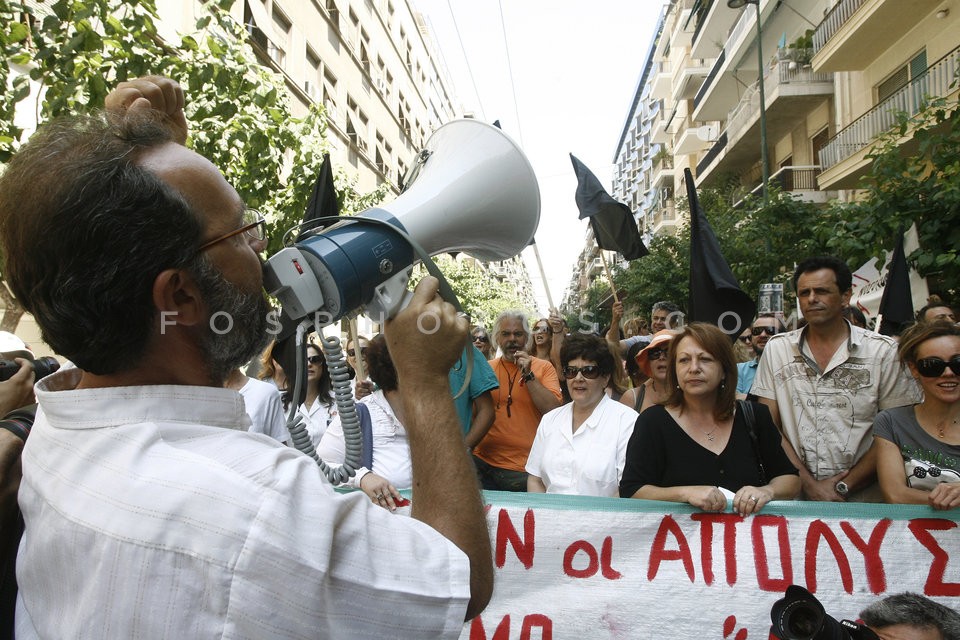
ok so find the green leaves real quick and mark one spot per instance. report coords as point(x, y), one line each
point(239, 110)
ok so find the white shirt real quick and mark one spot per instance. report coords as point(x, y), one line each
point(391, 449)
point(588, 462)
point(827, 416)
point(150, 514)
point(265, 408)
point(317, 418)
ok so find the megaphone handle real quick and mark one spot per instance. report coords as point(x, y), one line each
point(391, 296)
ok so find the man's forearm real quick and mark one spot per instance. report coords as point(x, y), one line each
point(446, 495)
point(543, 398)
point(482, 421)
point(864, 472)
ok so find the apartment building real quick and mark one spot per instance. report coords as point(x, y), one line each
point(887, 56)
point(371, 63)
point(833, 74)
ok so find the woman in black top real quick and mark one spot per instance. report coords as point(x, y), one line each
point(698, 442)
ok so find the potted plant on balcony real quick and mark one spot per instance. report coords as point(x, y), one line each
point(664, 156)
point(800, 51)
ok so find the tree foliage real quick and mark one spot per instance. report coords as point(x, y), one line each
point(481, 295)
point(913, 182)
point(760, 243)
point(238, 109)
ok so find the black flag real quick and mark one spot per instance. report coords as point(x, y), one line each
point(323, 201)
point(896, 305)
point(322, 204)
point(715, 294)
point(612, 222)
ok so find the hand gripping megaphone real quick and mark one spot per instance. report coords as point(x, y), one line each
point(473, 190)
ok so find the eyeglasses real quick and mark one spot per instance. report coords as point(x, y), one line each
point(589, 372)
point(541, 329)
point(934, 367)
point(483, 339)
point(770, 331)
point(314, 359)
point(656, 354)
point(353, 352)
point(252, 227)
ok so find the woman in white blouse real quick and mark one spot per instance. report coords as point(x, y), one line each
point(580, 447)
point(319, 408)
point(391, 469)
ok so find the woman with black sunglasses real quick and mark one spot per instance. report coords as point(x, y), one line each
point(580, 446)
point(481, 340)
point(319, 408)
point(918, 446)
point(652, 362)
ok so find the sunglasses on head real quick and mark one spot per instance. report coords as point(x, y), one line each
point(314, 359)
point(770, 331)
point(934, 367)
point(353, 352)
point(589, 372)
point(481, 339)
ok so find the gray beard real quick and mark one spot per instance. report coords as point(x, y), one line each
point(236, 331)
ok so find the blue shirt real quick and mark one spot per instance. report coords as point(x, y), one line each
point(482, 379)
point(746, 371)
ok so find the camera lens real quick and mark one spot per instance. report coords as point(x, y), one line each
point(803, 621)
point(42, 367)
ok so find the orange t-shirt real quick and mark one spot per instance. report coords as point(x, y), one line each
point(508, 442)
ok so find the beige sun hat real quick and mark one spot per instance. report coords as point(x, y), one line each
point(661, 339)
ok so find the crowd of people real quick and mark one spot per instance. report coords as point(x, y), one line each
point(150, 422)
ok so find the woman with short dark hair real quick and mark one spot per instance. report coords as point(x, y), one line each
point(697, 447)
point(579, 447)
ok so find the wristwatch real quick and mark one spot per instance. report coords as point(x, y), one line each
point(528, 376)
point(842, 488)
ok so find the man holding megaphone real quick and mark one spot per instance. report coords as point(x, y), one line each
point(149, 512)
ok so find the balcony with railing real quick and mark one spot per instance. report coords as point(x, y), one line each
point(799, 181)
point(664, 218)
point(662, 81)
point(849, 145)
point(848, 38)
point(792, 90)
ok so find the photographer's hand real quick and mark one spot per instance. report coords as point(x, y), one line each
point(17, 391)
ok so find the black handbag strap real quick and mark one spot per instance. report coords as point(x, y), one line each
point(746, 408)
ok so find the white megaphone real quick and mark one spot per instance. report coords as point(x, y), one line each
point(473, 190)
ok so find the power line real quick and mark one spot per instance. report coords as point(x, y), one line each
point(466, 60)
point(513, 86)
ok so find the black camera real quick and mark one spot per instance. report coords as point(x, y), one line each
point(42, 367)
point(800, 616)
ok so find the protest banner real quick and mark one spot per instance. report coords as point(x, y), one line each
point(870, 280)
point(570, 567)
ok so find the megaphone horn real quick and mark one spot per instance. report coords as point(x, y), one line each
point(474, 192)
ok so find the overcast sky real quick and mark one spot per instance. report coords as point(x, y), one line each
point(560, 76)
